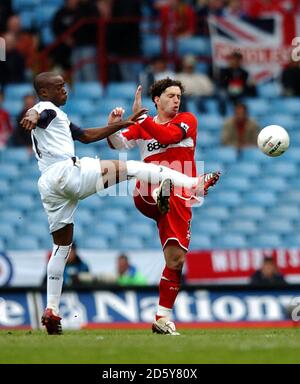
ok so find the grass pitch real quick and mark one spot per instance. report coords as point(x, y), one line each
point(141, 346)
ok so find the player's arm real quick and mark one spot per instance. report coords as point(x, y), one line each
point(122, 140)
point(91, 135)
point(172, 133)
point(30, 120)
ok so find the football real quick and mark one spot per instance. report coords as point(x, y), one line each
point(273, 140)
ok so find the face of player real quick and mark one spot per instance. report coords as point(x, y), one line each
point(168, 102)
point(55, 92)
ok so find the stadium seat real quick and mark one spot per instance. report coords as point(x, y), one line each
point(293, 154)
point(206, 227)
point(230, 241)
point(282, 226)
point(41, 231)
point(151, 45)
point(13, 107)
point(4, 188)
point(212, 212)
point(88, 90)
point(27, 19)
point(284, 211)
point(281, 168)
point(263, 199)
point(223, 154)
point(225, 198)
point(16, 92)
point(249, 212)
point(19, 5)
point(245, 169)
point(93, 242)
point(200, 241)
point(84, 216)
point(243, 227)
point(7, 231)
point(121, 90)
point(274, 184)
point(93, 203)
point(2, 245)
point(289, 105)
point(291, 241)
point(20, 201)
point(269, 90)
point(106, 105)
point(105, 229)
point(258, 107)
point(255, 155)
point(232, 183)
point(45, 14)
point(265, 241)
point(128, 243)
point(292, 197)
point(23, 243)
point(143, 230)
point(211, 123)
point(114, 215)
point(82, 107)
point(18, 156)
point(153, 243)
point(199, 46)
point(148, 103)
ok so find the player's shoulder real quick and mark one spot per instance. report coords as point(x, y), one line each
point(186, 117)
point(42, 105)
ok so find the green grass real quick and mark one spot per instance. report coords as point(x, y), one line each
point(136, 346)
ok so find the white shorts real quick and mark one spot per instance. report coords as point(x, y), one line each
point(63, 184)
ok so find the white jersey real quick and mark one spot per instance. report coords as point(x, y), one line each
point(53, 138)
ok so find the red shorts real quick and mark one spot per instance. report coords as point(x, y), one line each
point(175, 225)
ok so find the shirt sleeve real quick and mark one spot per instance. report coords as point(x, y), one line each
point(76, 132)
point(125, 139)
point(46, 117)
point(171, 133)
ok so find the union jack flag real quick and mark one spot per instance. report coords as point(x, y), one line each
point(264, 43)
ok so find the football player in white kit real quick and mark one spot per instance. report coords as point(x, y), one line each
point(65, 179)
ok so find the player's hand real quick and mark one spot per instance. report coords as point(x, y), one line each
point(137, 104)
point(135, 117)
point(116, 115)
point(30, 120)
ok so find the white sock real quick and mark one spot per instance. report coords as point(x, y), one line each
point(164, 312)
point(55, 273)
point(154, 174)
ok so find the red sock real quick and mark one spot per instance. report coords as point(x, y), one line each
point(168, 288)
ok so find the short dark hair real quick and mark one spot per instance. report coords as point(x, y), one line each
point(43, 80)
point(160, 86)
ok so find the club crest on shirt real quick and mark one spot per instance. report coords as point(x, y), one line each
point(184, 126)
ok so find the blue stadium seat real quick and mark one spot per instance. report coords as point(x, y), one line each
point(83, 107)
point(212, 106)
point(37, 216)
point(45, 14)
point(19, 5)
point(282, 226)
point(105, 229)
point(232, 183)
point(93, 242)
point(9, 172)
point(200, 241)
point(212, 212)
point(245, 169)
point(284, 211)
point(263, 199)
point(230, 241)
point(153, 243)
point(114, 215)
point(258, 107)
point(128, 243)
point(88, 90)
point(211, 122)
point(290, 123)
point(93, 203)
point(151, 45)
point(274, 184)
point(243, 227)
point(84, 216)
point(26, 242)
point(7, 231)
point(255, 155)
point(206, 227)
point(18, 156)
point(212, 166)
point(121, 90)
point(2, 245)
point(17, 91)
point(199, 46)
point(287, 105)
point(293, 154)
point(291, 241)
point(265, 241)
point(292, 197)
point(20, 201)
point(223, 154)
point(27, 19)
point(281, 168)
point(106, 105)
point(225, 198)
point(143, 230)
point(148, 103)
point(13, 107)
point(251, 211)
point(4, 188)
point(207, 139)
point(269, 90)
point(32, 172)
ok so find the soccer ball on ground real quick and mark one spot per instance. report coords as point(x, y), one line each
point(273, 140)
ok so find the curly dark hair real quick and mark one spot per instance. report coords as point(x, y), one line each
point(160, 86)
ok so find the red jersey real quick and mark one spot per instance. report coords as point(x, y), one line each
point(171, 144)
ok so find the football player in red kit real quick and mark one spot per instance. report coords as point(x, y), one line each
point(167, 139)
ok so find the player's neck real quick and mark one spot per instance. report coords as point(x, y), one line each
point(162, 119)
